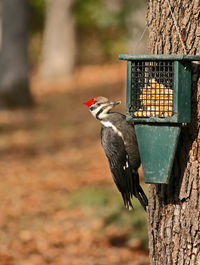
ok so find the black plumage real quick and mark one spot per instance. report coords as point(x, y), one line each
point(122, 152)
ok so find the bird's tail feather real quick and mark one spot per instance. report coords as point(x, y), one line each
point(138, 192)
point(141, 197)
point(127, 201)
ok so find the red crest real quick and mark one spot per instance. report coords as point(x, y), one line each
point(90, 102)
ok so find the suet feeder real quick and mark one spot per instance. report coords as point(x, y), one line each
point(158, 101)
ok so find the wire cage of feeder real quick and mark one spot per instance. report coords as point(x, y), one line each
point(152, 89)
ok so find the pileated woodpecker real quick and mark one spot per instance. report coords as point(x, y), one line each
point(120, 145)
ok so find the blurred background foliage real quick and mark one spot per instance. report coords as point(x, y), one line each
point(62, 206)
point(37, 22)
point(37, 15)
point(107, 23)
point(105, 203)
point(102, 28)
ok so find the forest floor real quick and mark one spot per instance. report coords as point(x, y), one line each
point(59, 205)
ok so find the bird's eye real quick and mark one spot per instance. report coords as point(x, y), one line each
point(98, 104)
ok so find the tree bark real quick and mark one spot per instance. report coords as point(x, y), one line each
point(59, 46)
point(174, 209)
point(14, 86)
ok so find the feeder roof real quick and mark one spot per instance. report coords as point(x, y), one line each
point(159, 57)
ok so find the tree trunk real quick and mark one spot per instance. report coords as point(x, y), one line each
point(174, 209)
point(14, 87)
point(59, 49)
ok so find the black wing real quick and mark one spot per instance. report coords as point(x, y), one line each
point(126, 180)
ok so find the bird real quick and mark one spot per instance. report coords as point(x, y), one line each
point(119, 142)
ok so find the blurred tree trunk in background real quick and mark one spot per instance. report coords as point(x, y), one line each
point(174, 209)
point(59, 46)
point(14, 86)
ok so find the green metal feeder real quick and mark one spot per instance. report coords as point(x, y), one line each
point(158, 101)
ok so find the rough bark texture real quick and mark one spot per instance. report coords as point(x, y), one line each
point(14, 86)
point(174, 209)
point(59, 47)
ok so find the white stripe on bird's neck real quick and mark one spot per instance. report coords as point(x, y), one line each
point(109, 124)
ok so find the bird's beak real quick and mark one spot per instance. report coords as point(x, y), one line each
point(114, 103)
